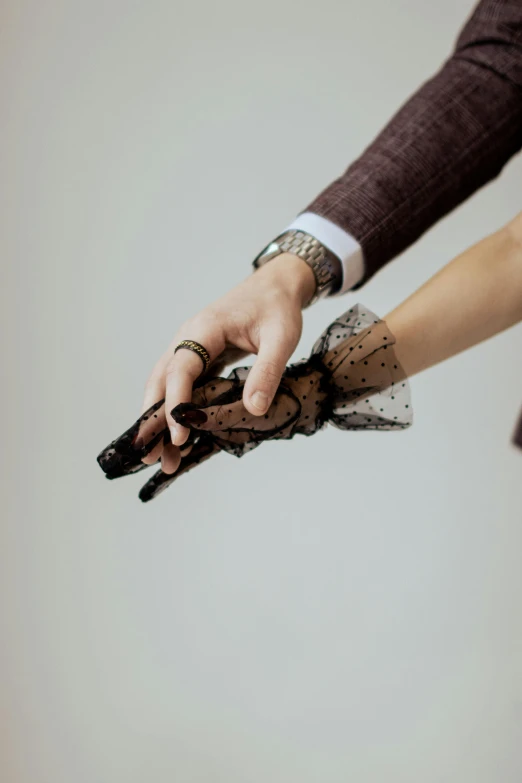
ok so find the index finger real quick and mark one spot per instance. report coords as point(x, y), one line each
point(183, 369)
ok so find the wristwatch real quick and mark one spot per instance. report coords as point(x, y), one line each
point(324, 264)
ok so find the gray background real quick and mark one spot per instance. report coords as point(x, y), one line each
point(339, 608)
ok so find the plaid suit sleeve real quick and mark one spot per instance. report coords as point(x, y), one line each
point(452, 136)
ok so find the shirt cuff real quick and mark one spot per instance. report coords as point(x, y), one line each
point(339, 242)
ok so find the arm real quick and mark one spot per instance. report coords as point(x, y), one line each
point(393, 193)
point(474, 297)
point(452, 137)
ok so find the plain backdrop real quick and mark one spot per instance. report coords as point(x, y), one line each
point(339, 608)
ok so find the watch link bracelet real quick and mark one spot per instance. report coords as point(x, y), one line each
point(324, 264)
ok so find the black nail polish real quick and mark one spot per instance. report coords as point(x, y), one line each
point(194, 417)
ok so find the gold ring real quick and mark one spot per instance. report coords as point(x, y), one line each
point(192, 345)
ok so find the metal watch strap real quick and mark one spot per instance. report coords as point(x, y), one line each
point(324, 264)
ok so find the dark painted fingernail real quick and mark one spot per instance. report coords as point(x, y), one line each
point(194, 417)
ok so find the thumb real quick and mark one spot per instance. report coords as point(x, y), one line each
point(265, 376)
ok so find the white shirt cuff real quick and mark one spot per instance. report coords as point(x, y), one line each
point(342, 244)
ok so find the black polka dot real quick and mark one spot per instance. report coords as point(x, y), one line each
point(363, 380)
point(366, 362)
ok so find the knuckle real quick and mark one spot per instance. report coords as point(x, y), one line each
point(208, 319)
point(189, 326)
point(243, 320)
point(198, 325)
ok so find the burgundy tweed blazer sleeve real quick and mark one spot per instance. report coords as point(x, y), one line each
point(452, 137)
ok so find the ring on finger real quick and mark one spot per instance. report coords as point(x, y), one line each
point(200, 350)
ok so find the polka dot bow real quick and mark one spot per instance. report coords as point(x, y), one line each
point(352, 380)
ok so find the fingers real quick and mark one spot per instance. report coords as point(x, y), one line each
point(214, 418)
point(216, 406)
point(183, 369)
point(155, 391)
point(203, 450)
point(265, 376)
point(172, 455)
point(155, 386)
point(170, 459)
point(124, 454)
point(154, 455)
point(235, 429)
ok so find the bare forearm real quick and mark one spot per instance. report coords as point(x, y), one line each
point(476, 296)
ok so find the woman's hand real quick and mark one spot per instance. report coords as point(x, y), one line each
point(261, 315)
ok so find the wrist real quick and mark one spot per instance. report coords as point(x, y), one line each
point(291, 275)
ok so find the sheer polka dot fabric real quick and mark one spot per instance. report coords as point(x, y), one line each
point(352, 380)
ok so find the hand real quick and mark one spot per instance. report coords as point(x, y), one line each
point(261, 315)
point(368, 391)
